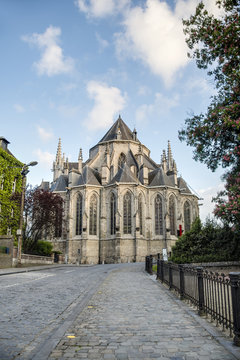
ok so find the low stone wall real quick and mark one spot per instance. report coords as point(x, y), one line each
point(36, 259)
point(222, 266)
point(6, 251)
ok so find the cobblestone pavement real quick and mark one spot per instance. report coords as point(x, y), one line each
point(36, 304)
point(132, 317)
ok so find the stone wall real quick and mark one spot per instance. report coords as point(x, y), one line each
point(36, 259)
point(6, 251)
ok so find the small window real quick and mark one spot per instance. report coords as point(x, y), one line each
point(121, 161)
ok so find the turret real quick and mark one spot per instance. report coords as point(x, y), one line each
point(58, 163)
point(80, 159)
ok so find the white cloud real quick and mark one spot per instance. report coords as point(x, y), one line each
point(153, 34)
point(44, 158)
point(53, 61)
point(101, 8)
point(107, 102)
point(206, 210)
point(103, 44)
point(162, 104)
point(19, 108)
point(44, 134)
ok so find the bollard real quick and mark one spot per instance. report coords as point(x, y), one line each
point(235, 290)
point(200, 290)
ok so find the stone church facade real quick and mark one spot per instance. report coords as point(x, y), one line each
point(119, 204)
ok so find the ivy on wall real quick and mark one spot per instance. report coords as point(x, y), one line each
point(10, 193)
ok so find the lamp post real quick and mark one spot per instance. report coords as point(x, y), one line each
point(24, 173)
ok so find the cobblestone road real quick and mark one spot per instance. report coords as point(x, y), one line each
point(34, 305)
point(132, 317)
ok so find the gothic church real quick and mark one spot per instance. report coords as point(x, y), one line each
point(119, 204)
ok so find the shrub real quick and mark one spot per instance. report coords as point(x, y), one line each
point(210, 242)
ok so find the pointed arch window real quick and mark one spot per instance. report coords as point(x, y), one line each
point(158, 215)
point(121, 161)
point(172, 215)
point(187, 216)
point(93, 216)
point(127, 214)
point(140, 212)
point(113, 214)
point(79, 215)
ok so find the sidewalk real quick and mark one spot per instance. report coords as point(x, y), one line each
point(132, 317)
point(17, 270)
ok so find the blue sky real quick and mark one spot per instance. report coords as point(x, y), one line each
point(68, 68)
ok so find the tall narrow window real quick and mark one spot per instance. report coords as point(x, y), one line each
point(79, 215)
point(127, 214)
point(172, 215)
point(158, 216)
point(113, 215)
point(187, 217)
point(93, 216)
point(121, 161)
point(140, 213)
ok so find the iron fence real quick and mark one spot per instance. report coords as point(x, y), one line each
point(214, 294)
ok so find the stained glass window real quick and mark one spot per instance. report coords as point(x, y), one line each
point(172, 215)
point(93, 216)
point(79, 215)
point(127, 214)
point(187, 216)
point(158, 216)
point(140, 212)
point(113, 215)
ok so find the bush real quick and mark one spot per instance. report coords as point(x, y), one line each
point(43, 248)
point(210, 242)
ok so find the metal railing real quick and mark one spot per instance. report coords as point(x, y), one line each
point(214, 294)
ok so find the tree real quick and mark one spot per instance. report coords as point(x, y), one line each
point(43, 217)
point(215, 45)
point(10, 192)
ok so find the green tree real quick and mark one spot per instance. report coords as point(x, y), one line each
point(215, 135)
point(10, 192)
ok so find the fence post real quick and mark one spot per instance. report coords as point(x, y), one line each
point(150, 264)
point(161, 270)
point(235, 289)
point(170, 275)
point(200, 290)
point(158, 268)
point(181, 278)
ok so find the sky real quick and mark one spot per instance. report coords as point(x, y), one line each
point(68, 68)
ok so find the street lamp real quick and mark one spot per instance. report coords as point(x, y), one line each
point(24, 173)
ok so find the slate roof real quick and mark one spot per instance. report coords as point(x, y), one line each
point(183, 185)
point(89, 176)
point(112, 132)
point(61, 183)
point(158, 178)
point(124, 175)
